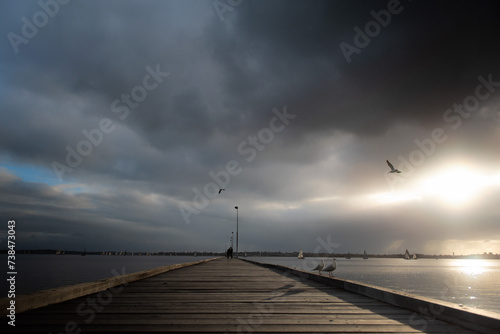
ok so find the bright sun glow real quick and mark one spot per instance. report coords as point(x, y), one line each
point(455, 186)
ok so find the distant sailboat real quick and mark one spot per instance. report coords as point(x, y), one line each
point(410, 257)
point(365, 255)
point(407, 255)
point(245, 254)
point(301, 255)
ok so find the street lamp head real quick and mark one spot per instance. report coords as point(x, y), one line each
point(236, 207)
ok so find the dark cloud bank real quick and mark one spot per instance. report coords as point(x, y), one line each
point(305, 178)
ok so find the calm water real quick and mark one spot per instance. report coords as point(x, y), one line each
point(473, 283)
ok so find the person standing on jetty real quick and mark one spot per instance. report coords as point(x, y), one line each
point(229, 252)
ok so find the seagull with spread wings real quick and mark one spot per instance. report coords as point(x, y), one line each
point(393, 170)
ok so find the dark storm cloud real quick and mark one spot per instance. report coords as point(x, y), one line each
point(271, 54)
point(429, 55)
point(75, 217)
point(225, 78)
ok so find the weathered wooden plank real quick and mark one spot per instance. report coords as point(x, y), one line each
point(295, 320)
point(214, 308)
point(254, 327)
point(403, 318)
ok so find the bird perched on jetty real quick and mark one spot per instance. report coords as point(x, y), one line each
point(331, 267)
point(393, 170)
point(221, 190)
point(319, 267)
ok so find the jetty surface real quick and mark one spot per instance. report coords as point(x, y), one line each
point(236, 296)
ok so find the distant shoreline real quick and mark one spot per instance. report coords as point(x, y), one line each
point(488, 256)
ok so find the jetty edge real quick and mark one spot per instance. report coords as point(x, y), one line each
point(47, 297)
point(481, 321)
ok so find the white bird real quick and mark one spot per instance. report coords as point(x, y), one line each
point(319, 266)
point(393, 170)
point(331, 267)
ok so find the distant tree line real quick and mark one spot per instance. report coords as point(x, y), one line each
point(485, 255)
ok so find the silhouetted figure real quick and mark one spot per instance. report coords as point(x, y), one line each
point(229, 253)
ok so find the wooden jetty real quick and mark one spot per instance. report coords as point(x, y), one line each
point(235, 296)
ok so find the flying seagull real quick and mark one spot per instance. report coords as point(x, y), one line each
point(320, 266)
point(221, 190)
point(393, 170)
point(331, 267)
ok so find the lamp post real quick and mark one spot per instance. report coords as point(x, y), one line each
point(236, 230)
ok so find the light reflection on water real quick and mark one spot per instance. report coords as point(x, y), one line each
point(473, 267)
point(472, 283)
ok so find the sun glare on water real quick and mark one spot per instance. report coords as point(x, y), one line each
point(472, 267)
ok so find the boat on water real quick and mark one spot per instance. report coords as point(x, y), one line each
point(365, 255)
point(407, 255)
point(410, 257)
point(301, 255)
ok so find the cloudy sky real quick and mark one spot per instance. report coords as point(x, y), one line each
point(120, 121)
